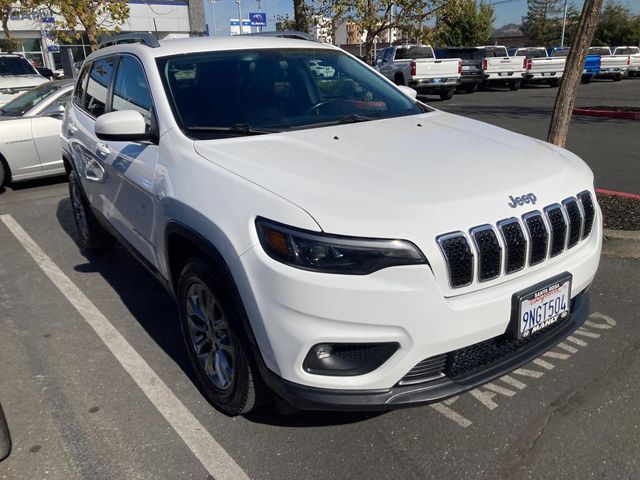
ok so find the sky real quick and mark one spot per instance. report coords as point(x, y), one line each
point(509, 12)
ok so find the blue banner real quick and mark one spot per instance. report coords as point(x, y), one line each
point(258, 19)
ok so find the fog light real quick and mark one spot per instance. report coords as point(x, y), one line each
point(347, 359)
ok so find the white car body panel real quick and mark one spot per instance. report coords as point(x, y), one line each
point(634, 57)
point(348, 180)
point(13, 85)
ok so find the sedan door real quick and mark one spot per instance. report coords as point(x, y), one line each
point(46, 133)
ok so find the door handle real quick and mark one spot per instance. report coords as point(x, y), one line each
point(94, 172)
point(71, 128)
point(102, 149)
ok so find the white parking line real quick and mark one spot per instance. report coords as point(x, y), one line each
point(210, 453)
point(451, 415)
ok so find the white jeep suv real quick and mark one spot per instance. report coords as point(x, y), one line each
point(327, 237)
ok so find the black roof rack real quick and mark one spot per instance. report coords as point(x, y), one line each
point(285, 34)
point(148, 39)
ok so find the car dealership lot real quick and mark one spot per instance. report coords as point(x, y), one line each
point(611, 147)
point(75, 412)
point(95, 382)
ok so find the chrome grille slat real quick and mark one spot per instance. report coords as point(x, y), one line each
point(538, 237)
point(517, 243)
point(558, 226)
point(574, 215)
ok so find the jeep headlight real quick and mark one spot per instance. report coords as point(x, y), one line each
point(326, 253)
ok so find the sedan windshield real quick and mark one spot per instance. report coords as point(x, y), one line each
point(25, 102)
point(15, 66)
point(249, 92)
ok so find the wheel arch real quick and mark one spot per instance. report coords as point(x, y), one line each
point(181, 242)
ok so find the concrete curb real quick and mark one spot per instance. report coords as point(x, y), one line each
point(621, 244)
point(606, 113)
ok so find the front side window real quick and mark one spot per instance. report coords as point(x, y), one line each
point(98, 86)
point(130, 89)
point(218, 93)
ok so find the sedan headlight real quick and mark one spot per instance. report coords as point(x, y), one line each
point(334, 253)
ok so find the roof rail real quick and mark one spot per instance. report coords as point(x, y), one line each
point(148, 39)
point(285, 34)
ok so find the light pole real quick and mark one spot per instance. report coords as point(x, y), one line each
point(564, 22)
point(239, 17)
point(213, 15)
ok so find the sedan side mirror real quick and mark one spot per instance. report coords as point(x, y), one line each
point(54, 111)
point(122, 126)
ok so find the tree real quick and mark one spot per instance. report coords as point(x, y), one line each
point(566, 99)
point(617, 26)
point(96, 17)
point(300, 14)
point(373, 17)
point(463, 22)
point(542, 23)
point(8, 43)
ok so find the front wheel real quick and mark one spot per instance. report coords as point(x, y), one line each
point(617, 78)
point(91, 236)
point(216, 344)
point(514, 86)
point(3, 173)
point(447, 94)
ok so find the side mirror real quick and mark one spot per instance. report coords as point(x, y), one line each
point(122, 126)
point(54, 111)
point(408, 91)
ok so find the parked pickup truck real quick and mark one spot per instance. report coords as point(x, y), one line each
point(472, 75)
point(591, 63)
point(611, 66)
point(417, 67)
point(499, 68)
point(539, 66)
point(634, 59)
point(17, 75)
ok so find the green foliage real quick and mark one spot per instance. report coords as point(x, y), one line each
point(465, 23)
point(543, 22)
point(617, 26)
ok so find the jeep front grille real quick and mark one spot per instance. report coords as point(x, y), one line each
point(518, 242)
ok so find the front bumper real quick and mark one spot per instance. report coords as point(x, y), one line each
point(308, 398)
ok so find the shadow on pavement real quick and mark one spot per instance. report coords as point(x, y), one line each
point(157, 313)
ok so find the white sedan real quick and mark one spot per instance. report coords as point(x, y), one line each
point(30, 133)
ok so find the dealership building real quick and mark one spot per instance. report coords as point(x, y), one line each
point(35, 30)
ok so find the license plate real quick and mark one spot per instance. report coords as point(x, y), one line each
point(437, 80)
point(543, 307)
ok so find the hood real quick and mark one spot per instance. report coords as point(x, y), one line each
point(20, 81)
point(407, 177)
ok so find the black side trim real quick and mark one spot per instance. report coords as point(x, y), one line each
point(311, 398)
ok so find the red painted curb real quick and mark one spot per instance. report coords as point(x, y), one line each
point(618, 194)
point(607, 113)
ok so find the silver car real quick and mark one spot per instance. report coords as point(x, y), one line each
point(30, 133)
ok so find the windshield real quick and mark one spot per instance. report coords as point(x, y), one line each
point(413, 52)
point(627, 51)
point(599, 51)
point(15, 66)
point(537, 53)
point(238, 92)
point(25, 102)
point(561, 52)
point(463, 53)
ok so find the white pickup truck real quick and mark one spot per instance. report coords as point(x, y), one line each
point(17, 75)
point(417, 67)
point(611, 66)
point(634, 59)
point(500, 68)
point(539, 66)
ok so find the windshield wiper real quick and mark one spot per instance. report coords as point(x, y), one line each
point(240, 128)
point(354, 118)
point(351, 118)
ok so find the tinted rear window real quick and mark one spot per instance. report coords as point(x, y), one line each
point(413, 52)
point(463, 53)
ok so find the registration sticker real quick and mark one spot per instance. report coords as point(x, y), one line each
point(544, 307)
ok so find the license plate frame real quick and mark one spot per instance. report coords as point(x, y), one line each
point(529, 318)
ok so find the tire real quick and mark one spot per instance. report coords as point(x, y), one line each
point(91, 236)
point(554, 83)
point(470, 88)
point(447, 94)
point(215, 342)
point(617, 78)
point(514, 86)
point(399, 79)
point(3, 173)
point(586, 79)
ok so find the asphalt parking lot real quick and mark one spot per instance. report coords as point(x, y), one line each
point(87, 401)
point(611, 147)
